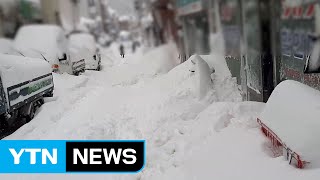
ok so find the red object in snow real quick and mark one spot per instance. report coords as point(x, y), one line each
point(276, 142)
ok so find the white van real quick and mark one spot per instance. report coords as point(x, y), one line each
point(83, 46)
point(49, 43)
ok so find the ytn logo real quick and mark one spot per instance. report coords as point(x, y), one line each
point(32, 152)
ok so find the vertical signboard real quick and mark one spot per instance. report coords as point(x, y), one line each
point(300, 43)
point(230, 13)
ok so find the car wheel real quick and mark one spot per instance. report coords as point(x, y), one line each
point(31, 114)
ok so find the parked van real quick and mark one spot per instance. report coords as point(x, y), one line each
point(47, 42)
point(83, 46)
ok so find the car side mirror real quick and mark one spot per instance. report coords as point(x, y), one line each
point(95, 57)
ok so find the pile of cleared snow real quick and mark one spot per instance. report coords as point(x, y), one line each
point(203, 75)
point(292, 112)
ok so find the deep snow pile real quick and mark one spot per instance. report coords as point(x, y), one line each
point(216, 137)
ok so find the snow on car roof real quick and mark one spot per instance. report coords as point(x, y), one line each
point(46, 39)
point(85, 40)
point(18, 69)
point(292, 112)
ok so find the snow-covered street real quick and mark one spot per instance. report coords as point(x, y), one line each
point(149, 96)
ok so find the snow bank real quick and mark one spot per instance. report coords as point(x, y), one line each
point(217, 62)
point(18, 69)
point(293, 112)
point(203, 76)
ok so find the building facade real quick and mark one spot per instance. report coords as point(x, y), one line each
point(194, 20)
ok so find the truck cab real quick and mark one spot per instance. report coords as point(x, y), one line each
point(24, 82)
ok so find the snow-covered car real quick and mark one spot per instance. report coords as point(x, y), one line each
point(24, 82)
point(49, 43)
point(83, 46)
point(6, 46)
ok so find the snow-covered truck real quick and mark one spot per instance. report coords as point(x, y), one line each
point(47, 43)
point(83, 46)
point(24, 82)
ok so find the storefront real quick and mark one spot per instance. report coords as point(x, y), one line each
point(249, 38)
point(230, 16)
point(300, 43)
point(194, 19)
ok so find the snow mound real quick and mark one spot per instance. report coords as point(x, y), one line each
point(292, 112)
point(217, 62)
point(203, 76)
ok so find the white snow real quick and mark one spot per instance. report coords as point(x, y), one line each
point(203, 76)
point(6, 45)
point(149, 96)
point(292, 112)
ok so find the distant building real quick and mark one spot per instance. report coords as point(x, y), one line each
point(124, 23)
point(50, 11)
point(194, 18)
point(164, 17)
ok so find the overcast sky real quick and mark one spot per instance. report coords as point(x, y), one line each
point(123, 7)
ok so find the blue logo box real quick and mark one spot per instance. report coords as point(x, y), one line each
point(53, 156)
